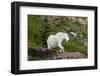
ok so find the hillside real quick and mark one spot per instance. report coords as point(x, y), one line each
point(40, 27)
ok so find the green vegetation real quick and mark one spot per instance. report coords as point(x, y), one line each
point(40, 27)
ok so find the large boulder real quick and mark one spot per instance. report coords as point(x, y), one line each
point(41, 52)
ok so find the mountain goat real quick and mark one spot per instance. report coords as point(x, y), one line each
point(56, 40)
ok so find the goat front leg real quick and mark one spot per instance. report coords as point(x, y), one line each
point(63, 50)
point(61, 47)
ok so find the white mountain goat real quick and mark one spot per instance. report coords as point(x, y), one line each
point(56, 40)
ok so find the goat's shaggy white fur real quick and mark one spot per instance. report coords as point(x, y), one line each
point(56, 40)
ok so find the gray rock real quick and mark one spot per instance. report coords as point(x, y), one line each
point(70, 55)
